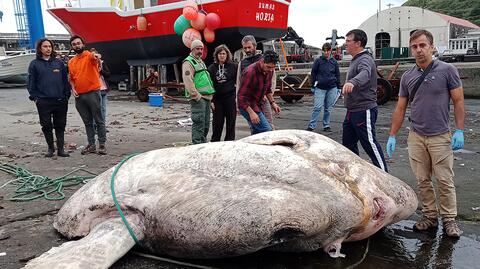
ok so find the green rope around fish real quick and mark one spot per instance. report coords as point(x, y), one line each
point(31, 186)
point(112, 187)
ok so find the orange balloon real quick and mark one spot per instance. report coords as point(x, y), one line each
point(189, 35)
point(209, 35)
point(190, 10)
point(199, 22)
point(212, 21)
point(189, 13)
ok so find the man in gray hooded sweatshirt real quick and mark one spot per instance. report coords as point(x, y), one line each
point(360, 91)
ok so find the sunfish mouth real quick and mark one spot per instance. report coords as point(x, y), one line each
point(378, 209)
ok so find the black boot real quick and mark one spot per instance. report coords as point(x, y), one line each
point(60, 145)
point(51, 148)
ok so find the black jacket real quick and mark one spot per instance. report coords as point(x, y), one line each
point(48, 80)
point(223, 80)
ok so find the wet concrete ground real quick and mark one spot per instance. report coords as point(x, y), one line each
point(26, 228)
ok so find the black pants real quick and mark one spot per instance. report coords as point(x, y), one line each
point(225, 111)
point(52, 109)
point(361, 126)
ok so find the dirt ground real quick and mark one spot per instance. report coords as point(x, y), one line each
point(26, 227)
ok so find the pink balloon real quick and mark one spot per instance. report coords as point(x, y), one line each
point(212, 21)
point(189, 35)
point(199, 22)
point(209, 35)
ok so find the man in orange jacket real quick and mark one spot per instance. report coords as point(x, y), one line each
point(85, 82)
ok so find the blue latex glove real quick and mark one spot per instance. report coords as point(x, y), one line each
point(458, 140)
point(313, 90)
point(391, 145)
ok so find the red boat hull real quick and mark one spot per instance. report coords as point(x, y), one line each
point(113, 32)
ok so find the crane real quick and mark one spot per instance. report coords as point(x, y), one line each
point(29, 20)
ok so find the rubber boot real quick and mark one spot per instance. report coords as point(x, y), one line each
point(51, 148)
point(60, 145)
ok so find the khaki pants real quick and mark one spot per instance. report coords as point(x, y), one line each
point(433, 156)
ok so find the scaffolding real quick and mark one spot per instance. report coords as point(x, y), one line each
point(22, 23)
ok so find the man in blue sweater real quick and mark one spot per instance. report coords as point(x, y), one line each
point(49, 88)
point(360, 93)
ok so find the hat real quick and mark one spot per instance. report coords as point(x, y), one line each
point(196, 43)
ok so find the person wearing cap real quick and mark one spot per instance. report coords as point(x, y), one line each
point(199, 89)
point(256, 84)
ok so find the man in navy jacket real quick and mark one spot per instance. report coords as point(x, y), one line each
point(49, 88)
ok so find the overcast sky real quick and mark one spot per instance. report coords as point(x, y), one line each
point(311, 19)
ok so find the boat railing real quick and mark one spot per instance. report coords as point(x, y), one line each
point(18, 52)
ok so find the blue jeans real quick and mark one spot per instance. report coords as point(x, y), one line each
point(325, 99)
point(261, 127)
point(103, 105)
point(103, 109)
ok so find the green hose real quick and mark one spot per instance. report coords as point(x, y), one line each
point(112, 187)
point(31, 187)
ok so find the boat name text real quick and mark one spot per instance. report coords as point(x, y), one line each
point(265, 16)
point(266, 6)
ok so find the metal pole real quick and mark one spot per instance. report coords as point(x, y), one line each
point(35, 21)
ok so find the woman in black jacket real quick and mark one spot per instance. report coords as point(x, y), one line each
point(223, 73)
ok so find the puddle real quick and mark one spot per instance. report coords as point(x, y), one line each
point(396, 246)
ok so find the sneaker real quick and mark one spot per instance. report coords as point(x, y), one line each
point(450, 228)
point(89, 149)
point(425, 224)
point(102, 150)
point(327, 129)
point(310, 129)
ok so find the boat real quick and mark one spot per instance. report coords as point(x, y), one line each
point(112, 31)
point(14, 66)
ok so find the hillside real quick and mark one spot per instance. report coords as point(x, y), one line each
point(465, 9)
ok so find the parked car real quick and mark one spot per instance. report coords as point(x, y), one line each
point(449, 56)
point(472, 51)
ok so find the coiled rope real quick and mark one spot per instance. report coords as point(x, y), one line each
point(31, 186)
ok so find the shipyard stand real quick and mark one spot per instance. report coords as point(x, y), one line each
point(155, 76)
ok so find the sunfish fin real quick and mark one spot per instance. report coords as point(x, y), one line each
point(334, 248)
point(103, 246)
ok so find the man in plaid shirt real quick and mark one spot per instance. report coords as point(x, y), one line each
point(256, 83)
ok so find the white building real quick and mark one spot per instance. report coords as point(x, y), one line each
point(393, 27)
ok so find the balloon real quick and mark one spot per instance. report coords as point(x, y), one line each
point(204, 53)
point(189, 35)
point(181, 24)
point(209, 35)
point(190, 10)
point(199, 22)
point(212, 21)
